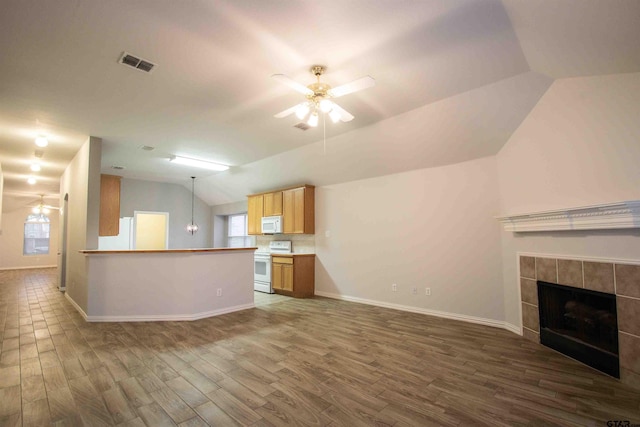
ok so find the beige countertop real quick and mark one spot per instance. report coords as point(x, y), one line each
point(163, 251)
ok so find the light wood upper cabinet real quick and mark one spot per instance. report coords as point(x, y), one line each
point(298, 207)
point(273, 203)
point(109, 224)
point(255, 207)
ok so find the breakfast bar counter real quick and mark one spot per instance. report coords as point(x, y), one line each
point(173, 284)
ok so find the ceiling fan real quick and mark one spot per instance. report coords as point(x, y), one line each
point(319, 97)
point(41, 208)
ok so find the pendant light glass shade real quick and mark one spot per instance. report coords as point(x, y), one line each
point(302, 110)
point(313, 119)
point(192, 227)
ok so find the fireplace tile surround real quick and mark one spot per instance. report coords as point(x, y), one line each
point(621, 279)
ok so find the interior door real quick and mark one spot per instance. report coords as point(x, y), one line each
point(151, 230)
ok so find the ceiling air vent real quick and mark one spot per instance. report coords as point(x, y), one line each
point(135, 62)
point(302, 126)
point(116, 167)
point(147, 148)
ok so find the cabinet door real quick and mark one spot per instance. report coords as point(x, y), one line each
point(287, 278)
point(293, 211)
point(254, 213)
point(109, 222)
point(298, 210)
point(273, 204)
point(276, 276)
point(288, 216)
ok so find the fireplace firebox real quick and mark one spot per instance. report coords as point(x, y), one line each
point(581, 324)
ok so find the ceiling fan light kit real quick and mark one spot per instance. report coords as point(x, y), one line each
point(319, 97)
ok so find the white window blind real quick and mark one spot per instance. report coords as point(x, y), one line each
point(237, 232)
point(36, 236)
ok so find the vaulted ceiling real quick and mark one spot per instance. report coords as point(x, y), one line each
point(454, 79)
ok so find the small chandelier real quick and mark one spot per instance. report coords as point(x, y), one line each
point(192, 227)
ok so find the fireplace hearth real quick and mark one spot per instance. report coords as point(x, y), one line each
point(581, 324)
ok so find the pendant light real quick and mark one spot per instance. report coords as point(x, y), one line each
point(192, 227)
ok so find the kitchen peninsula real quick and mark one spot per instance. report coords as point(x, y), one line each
point(169, 285)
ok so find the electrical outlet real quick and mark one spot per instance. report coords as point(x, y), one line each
point(219, 292)
point(394, 287)
point(427, 291)
point(414, 290)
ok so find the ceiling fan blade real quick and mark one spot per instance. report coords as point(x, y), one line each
point(345, 116)
point(354, 86)
point(292, 84)
point(287, 112)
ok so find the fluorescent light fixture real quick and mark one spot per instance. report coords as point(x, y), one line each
point(41, 141)
point(198, 163)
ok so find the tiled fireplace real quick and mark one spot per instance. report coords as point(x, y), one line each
point(621, 280)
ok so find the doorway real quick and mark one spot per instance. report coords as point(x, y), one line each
point(62, 251)
point(150, 230)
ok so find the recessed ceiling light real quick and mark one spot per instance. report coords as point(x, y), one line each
point(41, 141)
point(198, 163)
point(35, 166)
point(31, 180)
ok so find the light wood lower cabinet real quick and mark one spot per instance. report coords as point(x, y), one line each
point(293, 275)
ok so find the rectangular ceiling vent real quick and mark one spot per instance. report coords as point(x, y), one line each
point(302, 126)
point(135, 62)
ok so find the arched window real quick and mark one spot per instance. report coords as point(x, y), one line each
point(36, 235)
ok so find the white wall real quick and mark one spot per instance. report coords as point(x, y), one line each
point(81, 181)
point(139, 195)
point(426, 228)
point(169, 286)
point(579, 146)
point(12, 242)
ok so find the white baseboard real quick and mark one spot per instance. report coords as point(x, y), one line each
point(28, 268)
point(76, 306)
point(169, 317)
point(513, 328)
point(443, 314)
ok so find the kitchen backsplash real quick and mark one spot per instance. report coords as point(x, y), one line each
point(302, 243)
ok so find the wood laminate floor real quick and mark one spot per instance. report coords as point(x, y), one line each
point(290, 362)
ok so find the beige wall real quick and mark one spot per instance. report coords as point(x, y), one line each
point(1, 194)
point(579, 146)
point(12, 240)
point(81, 180)
point(426, 228)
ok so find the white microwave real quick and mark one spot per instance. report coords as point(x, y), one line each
point(271, 224)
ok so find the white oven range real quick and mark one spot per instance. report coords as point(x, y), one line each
point(262, 265)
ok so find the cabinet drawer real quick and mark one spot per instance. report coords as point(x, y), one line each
point(282, 260)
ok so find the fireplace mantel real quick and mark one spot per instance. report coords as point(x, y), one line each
point(597, 217)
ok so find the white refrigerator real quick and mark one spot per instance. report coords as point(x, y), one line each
point(124, 240)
